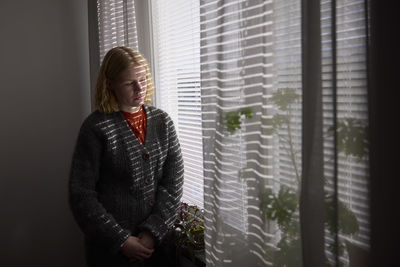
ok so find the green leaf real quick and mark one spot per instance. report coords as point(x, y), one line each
point(278, 120)
point(285, 205)
point(247, 112)
point(233, 119)
point(280, 207)
point(352, 137)
point(283, 98)
point(347, 221)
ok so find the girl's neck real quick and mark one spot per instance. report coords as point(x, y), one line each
point(130, 109)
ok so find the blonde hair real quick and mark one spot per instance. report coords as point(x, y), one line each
point(116, 61)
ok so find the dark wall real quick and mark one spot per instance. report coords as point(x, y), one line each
point(44, 96)
point(384, 97)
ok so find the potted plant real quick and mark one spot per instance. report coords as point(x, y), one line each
point(282, 206)
point(189, 233)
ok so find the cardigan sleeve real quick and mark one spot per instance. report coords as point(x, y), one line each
point(91, 216)
point(169, 190)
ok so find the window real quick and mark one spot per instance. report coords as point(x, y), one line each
point(222, 60)
point(176, 37)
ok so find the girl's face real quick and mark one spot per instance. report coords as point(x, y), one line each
point(130, 88)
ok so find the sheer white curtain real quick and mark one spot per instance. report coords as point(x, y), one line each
point(344, 87)
point(111, 23)
point(250, 50)
point(116, 25)
point(284, 108)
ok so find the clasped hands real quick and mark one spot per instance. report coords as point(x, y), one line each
point(140, 247)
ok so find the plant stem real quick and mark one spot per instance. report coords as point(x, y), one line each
point(292, 154)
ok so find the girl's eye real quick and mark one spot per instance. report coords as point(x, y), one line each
point(131, 83)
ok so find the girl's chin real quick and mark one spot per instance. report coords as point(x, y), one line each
point(137, 103)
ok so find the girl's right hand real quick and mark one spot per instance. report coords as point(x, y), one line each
point(133, 249)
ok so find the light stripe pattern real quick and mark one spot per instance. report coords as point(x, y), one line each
point(116, 25)
point(176, 35)
point(119, 187)
point(352, 116)
point(241, 67)
point(250, 58)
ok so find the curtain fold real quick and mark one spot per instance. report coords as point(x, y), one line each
point(245, 64)
point(116, 25)
point(312, 210)
point(111, 23)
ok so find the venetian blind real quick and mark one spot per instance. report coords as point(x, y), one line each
point(116, 25)
point(176, 37)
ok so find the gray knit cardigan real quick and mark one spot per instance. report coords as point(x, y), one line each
point(119, 187)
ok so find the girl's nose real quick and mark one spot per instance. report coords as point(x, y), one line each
point(138, 87)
